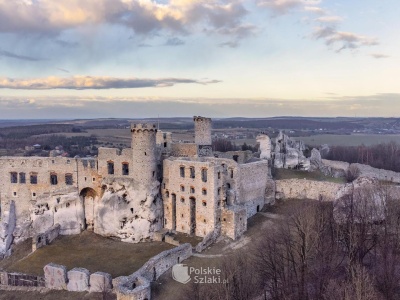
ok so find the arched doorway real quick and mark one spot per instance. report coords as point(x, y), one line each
point(89, 197)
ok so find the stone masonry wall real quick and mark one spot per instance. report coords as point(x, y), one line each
point(183, 149)
point(202, 130)
point(306, 189)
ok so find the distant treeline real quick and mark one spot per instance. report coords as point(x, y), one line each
point(225, 145)
point(383, 156)
point(75, 145)
point(23, 132)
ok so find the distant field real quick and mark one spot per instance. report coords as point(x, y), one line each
point(349, 140)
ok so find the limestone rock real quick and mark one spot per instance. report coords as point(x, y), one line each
point(288, 153)
point(7, 227)
point(265, 146)
point(315, 159)
point(78, 280)
point(129, 210)
point(100, 282)
point(55, 276)
point(363, 199)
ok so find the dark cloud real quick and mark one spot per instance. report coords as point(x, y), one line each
point(379, 55)
point(93, 82)
point(343, 40)
point(20, 57)
point(174, 42)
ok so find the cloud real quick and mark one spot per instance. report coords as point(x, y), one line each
point(329, 19)
point(63, 70)
point(174, 42)
point(92, 82)
point(315, 9)
point(20, 57)
point(230, 44)
point(346, 40)
point(51, 18)
point(379, 55)
point(281, 7)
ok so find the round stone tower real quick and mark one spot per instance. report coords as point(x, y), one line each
point(202, 131)
point(144, 162)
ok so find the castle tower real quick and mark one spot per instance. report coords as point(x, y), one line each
point(202, 135)
point(202, 130)
point(144, 168)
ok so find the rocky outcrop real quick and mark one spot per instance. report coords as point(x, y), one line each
point(265, 146)
point(380, 174)
point(7, 227)
point(363, 200)
point(288, 153)
point(334, 168)
point(129, 210)
point(315, 160)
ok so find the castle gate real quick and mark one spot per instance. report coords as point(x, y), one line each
point(89, 198)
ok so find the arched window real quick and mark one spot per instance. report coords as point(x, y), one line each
point(182, 188)
point(182, 171)
point(204, 191)
point(192, 190)
point(183, 200)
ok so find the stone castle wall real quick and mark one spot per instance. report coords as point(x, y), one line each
point(184, 149)
point(202, 129)
point(252, 185)
point(306, 189)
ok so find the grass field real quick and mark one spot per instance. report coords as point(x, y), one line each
point(89, 251)
point(298, 174)
point(349, 140)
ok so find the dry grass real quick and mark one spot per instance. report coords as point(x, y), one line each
point(92, 252)
point(298, 174)
point(165, 288)
point(51, 295)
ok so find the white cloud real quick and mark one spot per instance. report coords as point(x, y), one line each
point(281, 7)
point(51, 17)
point(329, 19)
point(314, 9)
point(93, 82)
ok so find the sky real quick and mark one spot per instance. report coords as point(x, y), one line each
point(250, 58)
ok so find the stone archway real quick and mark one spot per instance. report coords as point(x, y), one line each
point(89, 199)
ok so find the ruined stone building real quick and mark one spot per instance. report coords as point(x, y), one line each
point(132, 193)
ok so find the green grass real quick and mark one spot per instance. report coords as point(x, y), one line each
point(92, 252)
point(298, 174)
